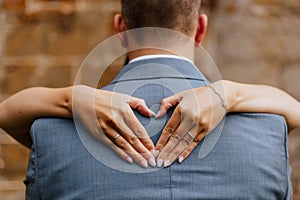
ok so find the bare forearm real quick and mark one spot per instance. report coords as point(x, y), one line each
point(259, 98)
point(20, 110)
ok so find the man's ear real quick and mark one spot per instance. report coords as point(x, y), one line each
point(201, 30)
point(120, 28)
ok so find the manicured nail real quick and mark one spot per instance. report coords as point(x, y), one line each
point(158, 115)
point(160, 163)
point(180, 159)
point(167, 163)
point(152, 114)
point(144, 164)
point(156, 153)
point(152, 162)
point(129, 160)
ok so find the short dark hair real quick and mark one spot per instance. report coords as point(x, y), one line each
point(179, 15)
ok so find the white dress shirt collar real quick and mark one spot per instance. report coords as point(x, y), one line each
point(160, 56)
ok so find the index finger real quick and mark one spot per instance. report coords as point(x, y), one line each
point(138, 129)
point(166, 104)
point(140, 105)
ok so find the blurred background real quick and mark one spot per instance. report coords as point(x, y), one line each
point(43, 42)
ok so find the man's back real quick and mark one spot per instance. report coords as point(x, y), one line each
point(249, 161)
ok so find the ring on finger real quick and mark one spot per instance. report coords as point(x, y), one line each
point(176, 137)
point(116, 137)
point(190, 136)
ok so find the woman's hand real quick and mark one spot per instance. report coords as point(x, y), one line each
point(110, 118)
point(197, 113)
point(200, 110)
point(105, 114)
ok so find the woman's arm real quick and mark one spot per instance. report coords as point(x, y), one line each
point(264, 99)
point(98, 110)
point(18, 112)
point(200, 110)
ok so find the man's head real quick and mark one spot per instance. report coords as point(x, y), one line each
point(179, 15)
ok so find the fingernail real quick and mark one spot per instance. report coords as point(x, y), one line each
point(157, 115)
point(167, 163)
point(144, 164)
point(180, 159)
point(152, 114)
point(152, 162)
point(160, 163)
point(156, 153)
point(129, 160)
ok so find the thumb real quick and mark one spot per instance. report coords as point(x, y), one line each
point(140, 105)
point(166, 104)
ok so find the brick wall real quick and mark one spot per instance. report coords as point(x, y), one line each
point(43, 42)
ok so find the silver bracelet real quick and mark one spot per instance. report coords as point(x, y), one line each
point(224, 104)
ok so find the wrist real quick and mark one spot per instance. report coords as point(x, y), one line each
point(232, 95)
point(218, 89)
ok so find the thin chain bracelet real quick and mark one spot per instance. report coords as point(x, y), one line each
point(224, 104)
